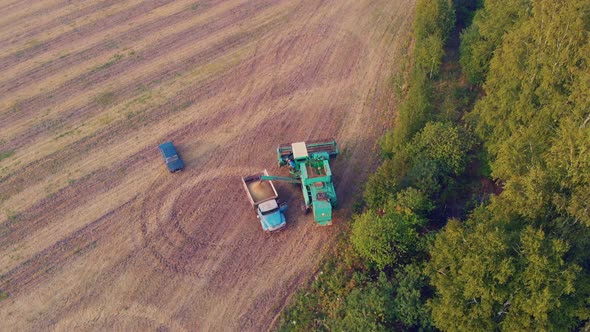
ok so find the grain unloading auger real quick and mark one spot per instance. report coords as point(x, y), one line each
point(309, 166)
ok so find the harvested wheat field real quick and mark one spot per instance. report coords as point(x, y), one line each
point(95, 233)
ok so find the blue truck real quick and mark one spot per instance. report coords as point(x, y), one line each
point(171, 157)
point(264, 198)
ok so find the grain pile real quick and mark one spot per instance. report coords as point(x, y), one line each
point(260, 190)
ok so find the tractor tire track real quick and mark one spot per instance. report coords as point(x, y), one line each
point(100, 48)
point(175, 247)
point(113, 41)
point(51, 209)
point(81, 83)
point(300, 80)
point(79, 33)
point(79, 242)
point(180, 38)
point(23, 5)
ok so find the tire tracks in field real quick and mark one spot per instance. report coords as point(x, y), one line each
point(60, 253)
point(102, 180)
point(164, 232)
point(81, 83)
point(52, 208)
point(37, 170)
point(136, 317)
point(83, 296)
point(15, 3)
point(176, 259)
point(80, 32)
point(63, 51)
point(189, 95)
point(93, 50)
point(168, 45)
point(40, 11)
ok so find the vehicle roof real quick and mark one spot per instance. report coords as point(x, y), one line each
point(168, 149)
point(299, 150)
point(167, 144)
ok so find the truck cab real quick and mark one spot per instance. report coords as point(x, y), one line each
point(271, 215)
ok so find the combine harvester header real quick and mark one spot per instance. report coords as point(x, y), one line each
point(328, 148)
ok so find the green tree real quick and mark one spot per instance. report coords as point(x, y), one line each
point(444, 143)
point(569, 164)
point(414, 201)
point(438, 153)
point(433, 17)
point(428, 55)
point(366, 308)
point(531, 84)
point(496, 273)
point(413, 114)
point(385, 182)
point(470, 270)
point(544, 299)
point(484, 36)
point(409, 302)
point(386, 238)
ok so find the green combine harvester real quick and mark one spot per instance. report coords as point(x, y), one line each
point(309, 165)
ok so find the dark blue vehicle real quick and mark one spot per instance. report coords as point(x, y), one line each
point(171, 157)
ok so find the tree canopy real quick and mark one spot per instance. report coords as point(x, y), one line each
point(521, 261)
